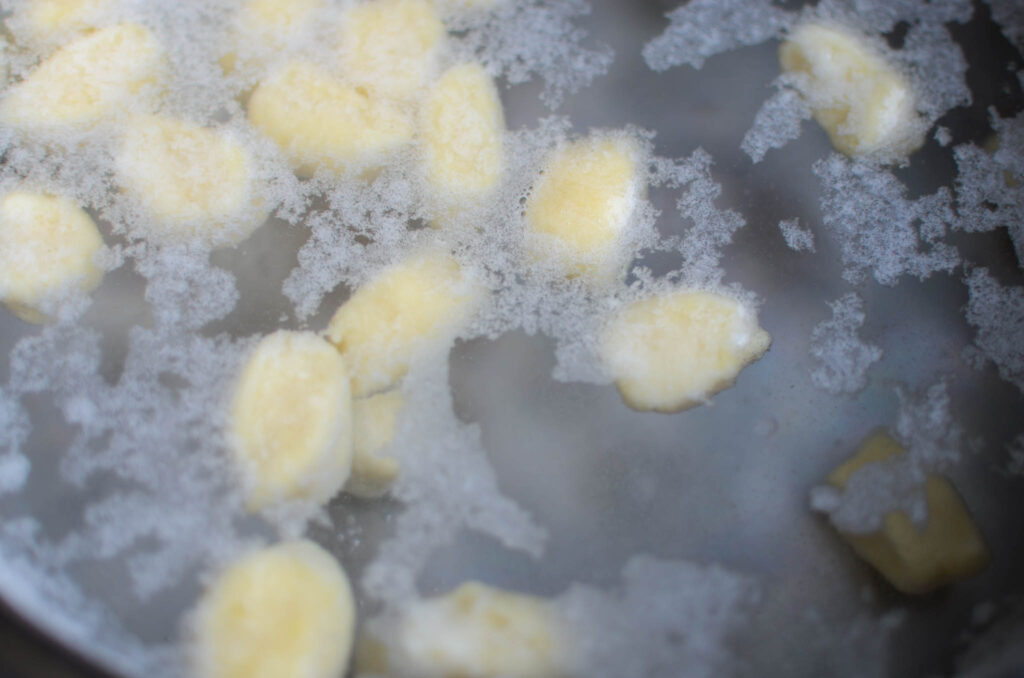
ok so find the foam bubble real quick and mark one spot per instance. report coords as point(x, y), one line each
point(14, 430)
point(446, 484)
point(997, 312)
point(843, 357)
point(522, 39)
point(1010, 17)
point(712, 228)
point(797, 239)
point(990, 182)
point(701, 29)
point(777, 122)
point(878, 228)
point(646, 627)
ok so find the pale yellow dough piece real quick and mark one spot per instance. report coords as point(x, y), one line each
point(391, 47)
point(864, 103)
point(105, 72)
point(193, 182)
point(291, 420)
point(670, 352)
point(461, 128)
point(44, 23)
point(263, 29)
point(47, 247)
point(580, 206)
point(915, 560)
point(281, 612)
point(395, 315)
point(373, 421)
point(476, 631)
point(319, 121)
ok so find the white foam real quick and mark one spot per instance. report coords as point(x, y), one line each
point(797, 239)
point(843, 357)
point(647, 627)
point(1010, 17)
point(447, 485)
point(520, 40)
point(701, 29)
point(777, 122)
point(364, 228)
point(710, 228)
point(14, 430)
point(35, 581)
point(997, 312)
point(879, 230)
point(990, 185)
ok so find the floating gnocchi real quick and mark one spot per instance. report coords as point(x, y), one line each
point(913, 559)
point(373, 420)
point(105, 72)
point(282, 612)
point(48, 246)
point(461, 130)
point(391, 47)
point(291, 420)
point(579, 209)
point(321, 122)
point(864, 103)
point(397, 314)
point(475, 631)
point(670, 352)
point(193, 182)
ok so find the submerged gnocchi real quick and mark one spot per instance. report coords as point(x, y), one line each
point(914, 559)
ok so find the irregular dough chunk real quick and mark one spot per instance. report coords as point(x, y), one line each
point(47, 247)
point(191, 180)
point(581, 205)
point(291, 420)
point(391, 47)
point(102, 73)
point(912, 559)
point(319, 121)
point(671, 352)
point(864, 103)
point(281, 612)
point(475, 631)
point(394, 316)
point(373, 421)
point(461, 128)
